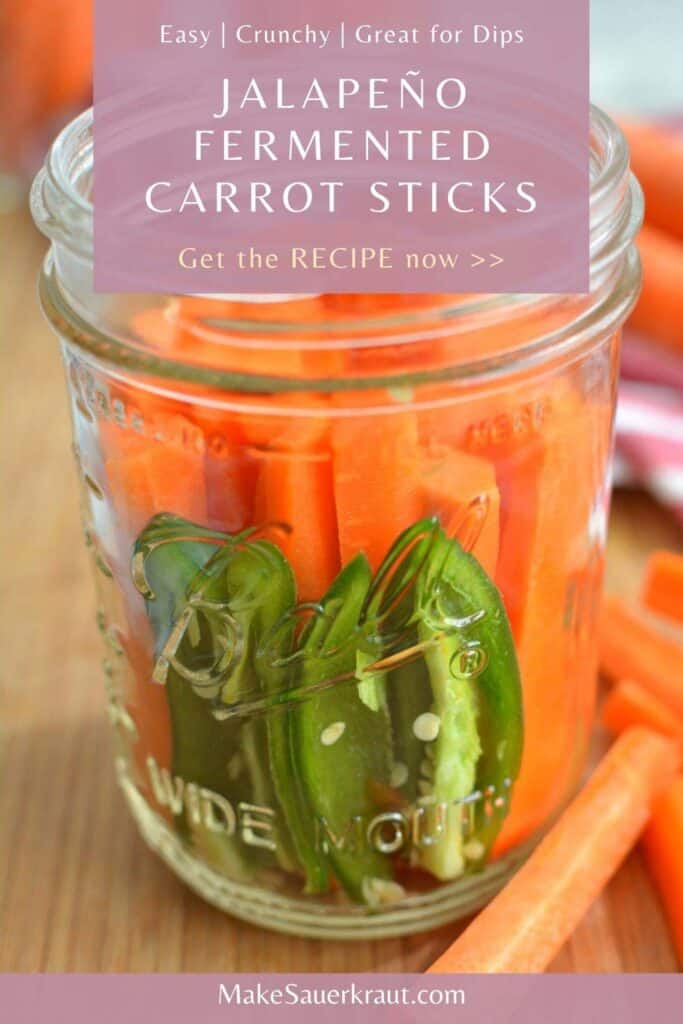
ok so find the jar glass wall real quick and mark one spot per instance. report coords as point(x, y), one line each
point(349, 552)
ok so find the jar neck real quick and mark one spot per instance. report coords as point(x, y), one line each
point(459, 327)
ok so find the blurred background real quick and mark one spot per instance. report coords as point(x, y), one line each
point(636, 64)
point(637, 76)
point(79, 876)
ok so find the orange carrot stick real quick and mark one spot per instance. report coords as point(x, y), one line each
point(663, 588)
point(525, 926)
point(146, 476)
point(460, 489)
point(376, 462)
point(630, 648)
point(663, 847)
point(629, 704)
point(295, 490)
point(657, 162)
point(659, 312)
point(544, 546)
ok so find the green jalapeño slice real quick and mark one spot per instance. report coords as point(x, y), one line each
point(405, 684)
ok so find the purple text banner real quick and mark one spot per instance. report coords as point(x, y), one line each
point(346, 998)
point(245, 147)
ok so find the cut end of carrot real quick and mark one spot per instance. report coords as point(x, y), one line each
point(648, 757)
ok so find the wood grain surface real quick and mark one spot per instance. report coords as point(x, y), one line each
point(79, 890)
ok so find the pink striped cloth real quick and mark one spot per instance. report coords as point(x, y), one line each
point(649, 425)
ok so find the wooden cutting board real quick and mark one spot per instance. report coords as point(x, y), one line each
point(80, 892)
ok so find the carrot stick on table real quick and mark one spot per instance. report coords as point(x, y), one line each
point(663, 588)
point(657, 162)
point(524, 927)
point(663, 847)
point(630, 648)
point(659, 312)
point(628, 704)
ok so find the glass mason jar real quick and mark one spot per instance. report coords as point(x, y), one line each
point(349, 552)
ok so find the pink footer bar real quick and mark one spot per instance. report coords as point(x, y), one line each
point(212, 998)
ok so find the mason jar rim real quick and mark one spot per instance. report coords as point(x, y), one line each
point(65, 214)
point(63, 211)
